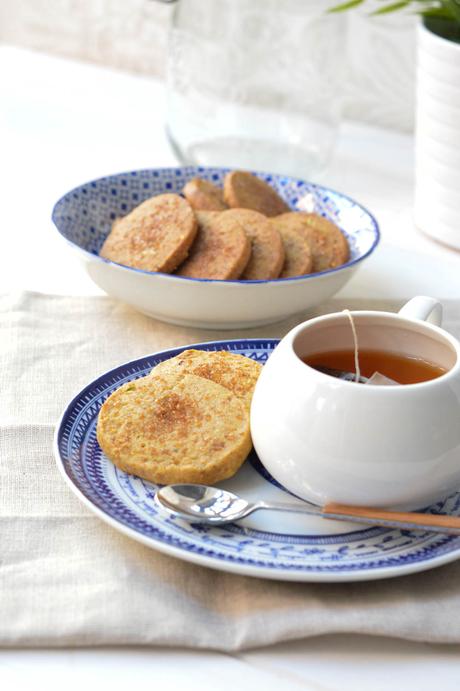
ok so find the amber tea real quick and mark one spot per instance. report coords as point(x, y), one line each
point(403, 369)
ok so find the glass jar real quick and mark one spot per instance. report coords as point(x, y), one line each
point(255, 84)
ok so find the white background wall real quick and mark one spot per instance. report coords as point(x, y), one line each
point(132, 35)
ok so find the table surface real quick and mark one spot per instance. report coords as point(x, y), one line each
point(62, 123)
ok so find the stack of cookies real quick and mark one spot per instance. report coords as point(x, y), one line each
point(187, 421)
point(244, 231)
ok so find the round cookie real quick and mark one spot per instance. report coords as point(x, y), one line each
point(155, 236)
point(245, 191)
point(267, 251)
point(237, 373)
point(328, 244)
point(329, 247)
point(221, 249)
point(298, 258)
point(175, 428)
point(204, 196)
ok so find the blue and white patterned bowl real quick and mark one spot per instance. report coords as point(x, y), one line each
point(84, 217)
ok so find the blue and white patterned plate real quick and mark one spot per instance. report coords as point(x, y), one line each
point(267, 544)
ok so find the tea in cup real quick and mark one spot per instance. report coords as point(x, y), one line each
point(330, 439)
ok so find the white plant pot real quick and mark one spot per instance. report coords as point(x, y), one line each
point(437, 140)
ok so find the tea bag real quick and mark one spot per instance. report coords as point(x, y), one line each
point(377, 379)
point(341, 374)
point(380, 380)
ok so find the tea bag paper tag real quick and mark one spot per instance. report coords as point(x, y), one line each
point(307, 203)
point(378, 379)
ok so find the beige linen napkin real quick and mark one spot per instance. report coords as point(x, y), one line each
point(66, 578)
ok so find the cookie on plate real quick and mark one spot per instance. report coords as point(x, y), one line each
point(221, 249)
point(155, 236)
point(175, 428)
point(298, 259)
point(237, 373)
point(328, 245)
point(204, 196)
point(246, 191)
point(267, 251)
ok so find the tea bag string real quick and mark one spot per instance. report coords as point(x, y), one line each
point(355, 341)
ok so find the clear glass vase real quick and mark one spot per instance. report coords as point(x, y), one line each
point(255, 84)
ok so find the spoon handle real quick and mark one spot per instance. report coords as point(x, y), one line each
point(394, 519)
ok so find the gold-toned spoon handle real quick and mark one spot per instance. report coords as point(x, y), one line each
point(396, 519)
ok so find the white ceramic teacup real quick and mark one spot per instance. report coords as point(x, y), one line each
point(326, 439)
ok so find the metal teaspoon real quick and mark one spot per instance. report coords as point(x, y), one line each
point(216, 506)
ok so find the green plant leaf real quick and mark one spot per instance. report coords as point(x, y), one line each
point(346, 6)
point(442, 25)
point(454, 8)
point(442, 9)
point(393, 7)
point(448, 9)
point(440, 12)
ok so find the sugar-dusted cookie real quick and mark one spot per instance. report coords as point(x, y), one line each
point(175, 428)
point(155, 236)
point(324, 233)
point(237, 373)
point(298, 257)
point(246, 191)
point(204, 196)
point(329, 246)
point(267, 251)
point(221, 249)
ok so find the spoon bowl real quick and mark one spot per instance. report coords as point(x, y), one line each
point(202, 503)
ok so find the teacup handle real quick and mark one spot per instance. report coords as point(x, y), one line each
point(424, 309)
